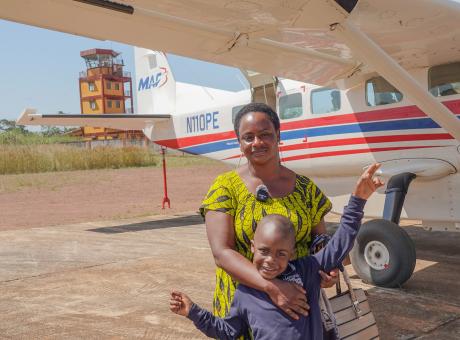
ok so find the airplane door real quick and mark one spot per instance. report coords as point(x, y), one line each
point(263, 87)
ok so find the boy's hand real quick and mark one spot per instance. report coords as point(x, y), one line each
point(328, 281)
point(180, 303)
point(367, 184)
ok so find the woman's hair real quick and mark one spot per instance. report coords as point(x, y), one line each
point(256, 107)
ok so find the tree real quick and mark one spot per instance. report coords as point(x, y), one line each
point(10, 125)
point(50, 130)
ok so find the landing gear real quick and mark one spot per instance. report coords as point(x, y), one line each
point(384, 254)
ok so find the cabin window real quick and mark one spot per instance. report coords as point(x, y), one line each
point(109, 85)
point(325, 100)
point(381, 92)
point(235, 111)
point(92, 105)
point(109, 103)
point(291, 106)
point(444, 80)
point(91, 87)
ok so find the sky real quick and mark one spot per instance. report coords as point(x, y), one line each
point(39, 69)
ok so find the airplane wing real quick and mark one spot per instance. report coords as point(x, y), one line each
point(272, 37)
point(113, 121)
point(316, 41)
point(291, 39)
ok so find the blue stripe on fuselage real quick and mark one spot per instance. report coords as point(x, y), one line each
point(409, 124)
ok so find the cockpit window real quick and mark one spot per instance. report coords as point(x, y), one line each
point(291, 106)
point(381, 92)
point(325, 100)
point(444, 80)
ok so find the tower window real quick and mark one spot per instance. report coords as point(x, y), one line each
point(91, 87)
point(109, 85)
point(109, 103)
point(92, 105)
point(117, 86)
point(117, 104)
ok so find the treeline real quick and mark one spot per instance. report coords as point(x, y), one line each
point(12, 134)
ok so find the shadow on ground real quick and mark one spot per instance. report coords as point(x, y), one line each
point(151, 225)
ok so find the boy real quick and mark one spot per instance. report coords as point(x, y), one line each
point(273, 247)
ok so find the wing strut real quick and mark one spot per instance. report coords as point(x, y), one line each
point(377, 58)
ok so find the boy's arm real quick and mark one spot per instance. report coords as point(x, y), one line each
point(332, 255)
point(341, 243)
point(229, 327)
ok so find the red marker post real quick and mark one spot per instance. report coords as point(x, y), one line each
point(165, 185)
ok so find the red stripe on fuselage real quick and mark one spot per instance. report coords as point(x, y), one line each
point(363, 140)
point(367, 140)
point(351, 152)
point(404, 112)
point(194, 140)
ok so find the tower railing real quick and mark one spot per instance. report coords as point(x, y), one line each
point(125, 74)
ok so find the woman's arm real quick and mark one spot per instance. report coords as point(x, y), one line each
point(291, 298)
point(327, 281)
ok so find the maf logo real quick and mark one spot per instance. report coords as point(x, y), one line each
point(156, 80)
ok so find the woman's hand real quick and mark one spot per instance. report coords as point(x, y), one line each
point(289, 297)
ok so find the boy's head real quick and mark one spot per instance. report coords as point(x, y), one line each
point(273, 245)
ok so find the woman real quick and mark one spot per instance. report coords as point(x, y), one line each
point(238, 199)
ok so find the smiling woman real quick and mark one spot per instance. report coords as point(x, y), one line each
point(232, 209)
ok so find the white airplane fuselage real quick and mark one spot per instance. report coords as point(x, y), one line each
point(333, 148)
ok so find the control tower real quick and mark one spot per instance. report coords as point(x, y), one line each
point(104, 88)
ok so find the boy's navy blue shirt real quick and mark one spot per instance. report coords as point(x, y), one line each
point(254, 309)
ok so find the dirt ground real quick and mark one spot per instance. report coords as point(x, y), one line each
point(91, 255)
point(35, 200)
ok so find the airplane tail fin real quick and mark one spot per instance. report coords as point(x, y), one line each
point(156, 87)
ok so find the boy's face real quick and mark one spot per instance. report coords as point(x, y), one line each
point(272, 252)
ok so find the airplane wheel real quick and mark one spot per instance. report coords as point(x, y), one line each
point(383, 254)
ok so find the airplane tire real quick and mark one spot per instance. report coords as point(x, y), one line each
point(383, 254)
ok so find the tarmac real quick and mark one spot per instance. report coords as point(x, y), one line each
point(111, 280)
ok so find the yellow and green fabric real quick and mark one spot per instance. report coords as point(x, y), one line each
point(305, 207)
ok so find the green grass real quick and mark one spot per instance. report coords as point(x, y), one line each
point(18, 159)
point(31, 158)
point(173, 160)
point(26, 152)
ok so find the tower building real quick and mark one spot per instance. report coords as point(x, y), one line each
point(104, 88)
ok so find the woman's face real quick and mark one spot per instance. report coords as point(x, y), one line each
point(258, 138)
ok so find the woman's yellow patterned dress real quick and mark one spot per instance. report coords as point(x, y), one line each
point(305, 207)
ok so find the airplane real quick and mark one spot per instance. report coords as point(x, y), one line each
point(387, 89)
